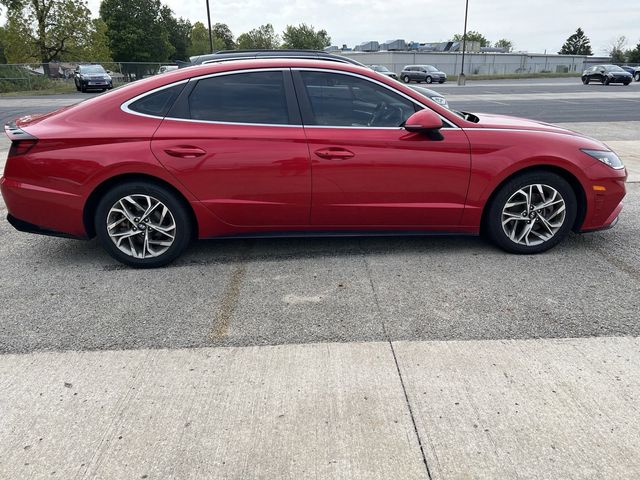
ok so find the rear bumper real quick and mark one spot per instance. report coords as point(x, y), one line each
point(27, 227)
point(37, 209)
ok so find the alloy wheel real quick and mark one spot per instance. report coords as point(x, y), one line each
point(141, 226)
point(533, 214)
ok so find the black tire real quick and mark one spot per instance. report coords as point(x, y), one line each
point(83, 88)
point(637, 77)
point(428, 79)
point(627, 83)
point(493, 219)
point(606, 81)
point(176, 206)
point(406, 79)
point(585, 81)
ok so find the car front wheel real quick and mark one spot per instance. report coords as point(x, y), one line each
point(406, 79)
point(585, 80)
point(142, 224)
point(531, 213)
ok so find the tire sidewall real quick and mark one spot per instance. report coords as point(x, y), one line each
point(428, 79)
point(406, 79)
point(493, 224)
point(176, 206)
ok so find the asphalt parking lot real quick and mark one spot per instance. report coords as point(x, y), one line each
point(442, 310)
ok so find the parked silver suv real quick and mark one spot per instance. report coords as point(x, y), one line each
point(422, 73)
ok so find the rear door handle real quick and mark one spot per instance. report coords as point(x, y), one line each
point(185, 151)
point(334, 153)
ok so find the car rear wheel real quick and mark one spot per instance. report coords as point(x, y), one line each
point(406, 79)
point(142, 224)
point(531, 213)
point(428, 79)
point(637, 77)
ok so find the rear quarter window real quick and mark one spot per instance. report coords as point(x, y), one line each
point(157, 103)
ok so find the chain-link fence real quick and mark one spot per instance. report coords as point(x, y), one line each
point(43, 76)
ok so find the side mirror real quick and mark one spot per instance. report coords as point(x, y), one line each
point(426, 122)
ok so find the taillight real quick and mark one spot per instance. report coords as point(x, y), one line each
point(21, 147)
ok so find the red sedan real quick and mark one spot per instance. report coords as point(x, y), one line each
point(297, 147)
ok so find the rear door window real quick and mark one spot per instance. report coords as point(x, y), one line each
point(253, 97)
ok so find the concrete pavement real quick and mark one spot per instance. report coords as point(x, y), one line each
point(527, 409)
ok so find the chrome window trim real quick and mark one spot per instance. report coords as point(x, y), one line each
point(452, 126)
point(125, 106)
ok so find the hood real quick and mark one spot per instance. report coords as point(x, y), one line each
point(487, 120)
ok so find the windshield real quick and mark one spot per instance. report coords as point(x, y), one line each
point(613, 68)
point(430, 68)
point(92, 69)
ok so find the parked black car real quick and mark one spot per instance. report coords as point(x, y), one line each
point(606, 74)
point(384, 71)
point(92, 77)
point(630, 70)
point(422, 73)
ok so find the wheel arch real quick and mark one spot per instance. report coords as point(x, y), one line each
point(102, 188)
point(573, 181)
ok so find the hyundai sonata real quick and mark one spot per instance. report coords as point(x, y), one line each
point(297, 147)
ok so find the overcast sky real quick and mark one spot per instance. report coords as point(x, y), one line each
point(533, 25)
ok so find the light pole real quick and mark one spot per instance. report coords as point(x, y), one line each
point(462, 77)
point(210, 34)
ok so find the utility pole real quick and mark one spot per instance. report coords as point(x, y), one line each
point(210, 34)
point(462, 77)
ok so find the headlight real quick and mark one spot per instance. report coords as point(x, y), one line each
point(605, 156)
point(441, 100)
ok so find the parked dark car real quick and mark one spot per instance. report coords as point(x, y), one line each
point(384, 71)
point(606, 74)
point(92, 77)
point(422, 73)
point(628, 69)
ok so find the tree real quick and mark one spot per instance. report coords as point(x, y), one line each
point(46, 31)
point(97, 49)
point(633, 56)
point(136, 32)
point(3, 58)
point(577, 44)
point(263, 37)
point(504, 43)
point(473, 36)
point(305, 36)
point(178, 32)
point(616, 50)
point(200, 40)
point(222, 32)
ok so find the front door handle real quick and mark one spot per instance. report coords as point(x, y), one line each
point(185, 151)
point(334, 153)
